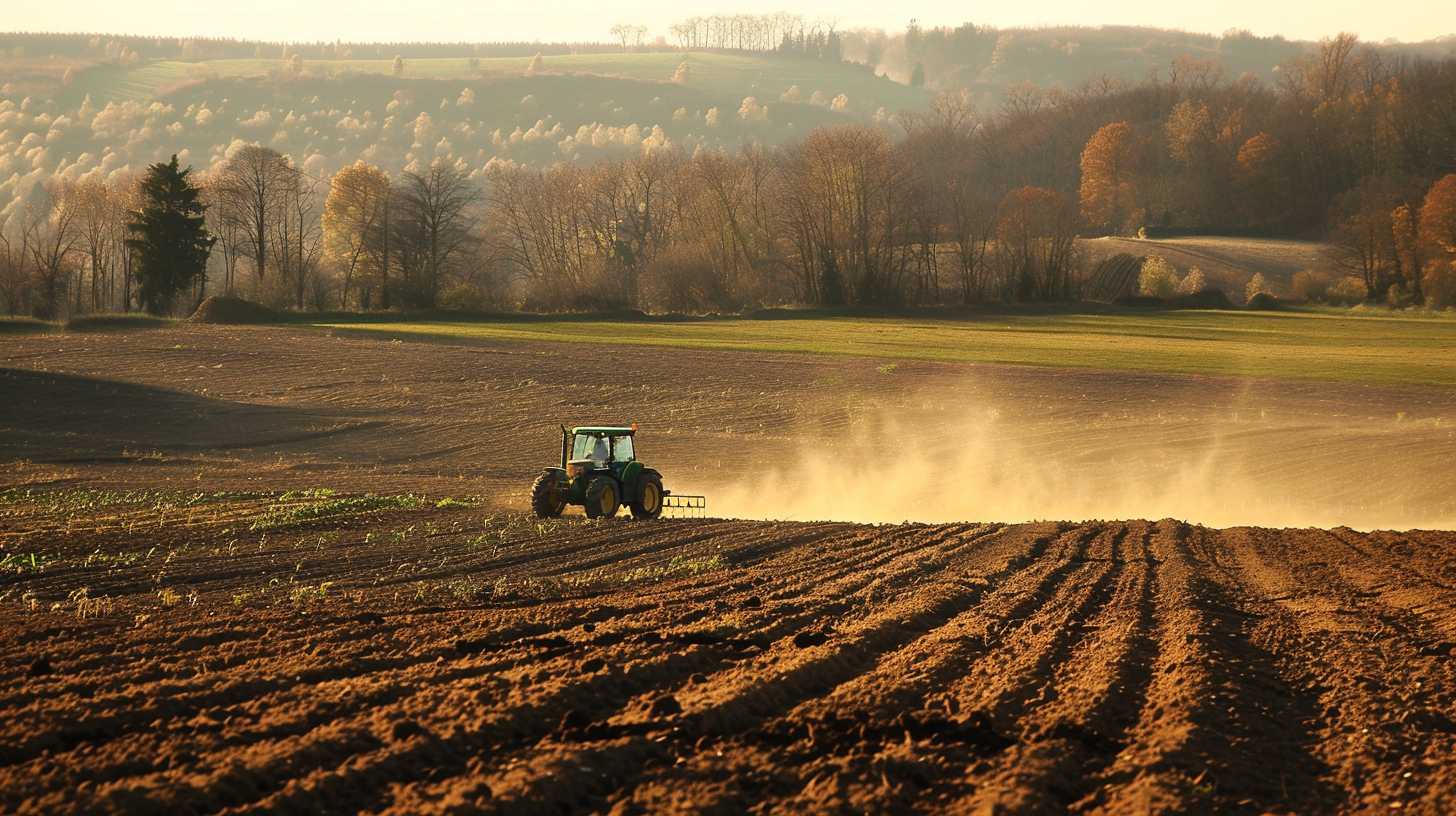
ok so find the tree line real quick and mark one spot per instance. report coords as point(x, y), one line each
point(1349, 145)
point(781, 32)
point(950, 204)
point(112, 46)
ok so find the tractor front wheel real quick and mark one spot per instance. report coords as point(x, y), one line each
point(602, 500)
point(649, 503)
point(545, 501)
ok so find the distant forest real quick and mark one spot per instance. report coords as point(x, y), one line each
point(967, 56)
point(966, 199)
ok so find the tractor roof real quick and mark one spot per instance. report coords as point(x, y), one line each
point(604, 430)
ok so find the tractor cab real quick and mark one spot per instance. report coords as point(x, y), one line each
point(603, 450)
point(597, 448)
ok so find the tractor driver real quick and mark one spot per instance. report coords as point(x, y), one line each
point(599, 450)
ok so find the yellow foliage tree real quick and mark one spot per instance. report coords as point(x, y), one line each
point(1107, 192)
point(354, 223)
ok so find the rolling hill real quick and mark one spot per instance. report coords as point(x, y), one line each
point(735, 76)
point(1227, 262)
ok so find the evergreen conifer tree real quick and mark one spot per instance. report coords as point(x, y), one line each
point(168, 236)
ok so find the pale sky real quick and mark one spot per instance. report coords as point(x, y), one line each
point(579, 20)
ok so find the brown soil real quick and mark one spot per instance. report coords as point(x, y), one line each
point(179, 650)
point(452, 659)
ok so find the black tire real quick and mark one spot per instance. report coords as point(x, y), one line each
point(649, 497)
point(603, 499)
point(544, 502)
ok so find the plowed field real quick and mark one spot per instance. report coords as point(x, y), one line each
point(423, 658)
point(195, 621)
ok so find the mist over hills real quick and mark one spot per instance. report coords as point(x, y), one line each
point(95, 103)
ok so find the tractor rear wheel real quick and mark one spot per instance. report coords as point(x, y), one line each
point(602, 499)
point(649, 502)
point(544, 500)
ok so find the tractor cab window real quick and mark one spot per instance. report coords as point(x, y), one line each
point(589, 446)
point(622, 449)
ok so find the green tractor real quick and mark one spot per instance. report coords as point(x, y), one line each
point(600, 472)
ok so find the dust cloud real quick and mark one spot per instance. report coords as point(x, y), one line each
point(1223, 466)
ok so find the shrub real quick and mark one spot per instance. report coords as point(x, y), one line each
point(1157, 278)
point(1211, 297)
point(1347, 291)
point(230, 310)
point(1439, 284)
point(1396, 297)
point(1309, 285)
point(1256, 285)
point(275, 291)
point(1263, 301)
point(1193, 283)
point(464, 297)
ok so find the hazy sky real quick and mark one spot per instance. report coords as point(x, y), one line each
point(490, 20)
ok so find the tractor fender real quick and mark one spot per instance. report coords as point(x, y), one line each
point(560, 481)
point(630, 480)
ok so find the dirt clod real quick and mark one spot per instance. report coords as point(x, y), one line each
point(805, 640)
point(665, 705)
point(405, 729)
point(574, 720)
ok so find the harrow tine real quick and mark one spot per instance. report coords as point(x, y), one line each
point(685, 506)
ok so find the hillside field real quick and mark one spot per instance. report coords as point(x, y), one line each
point(1227, 262)
point(1307, 344)
point(717, 74)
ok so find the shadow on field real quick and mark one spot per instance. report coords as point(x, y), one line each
point(48, 417)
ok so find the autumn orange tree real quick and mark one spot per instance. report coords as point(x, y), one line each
point(1108, 167)
point(1438, 230)
point(1405, 230)
point(1259, 177)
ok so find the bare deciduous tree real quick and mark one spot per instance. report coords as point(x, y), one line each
point(251, 187)
point(53, 240)
point(435, 225)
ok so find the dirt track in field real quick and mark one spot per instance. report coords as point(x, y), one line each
point(455, 660)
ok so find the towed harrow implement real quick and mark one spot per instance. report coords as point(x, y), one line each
point(678, 506)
